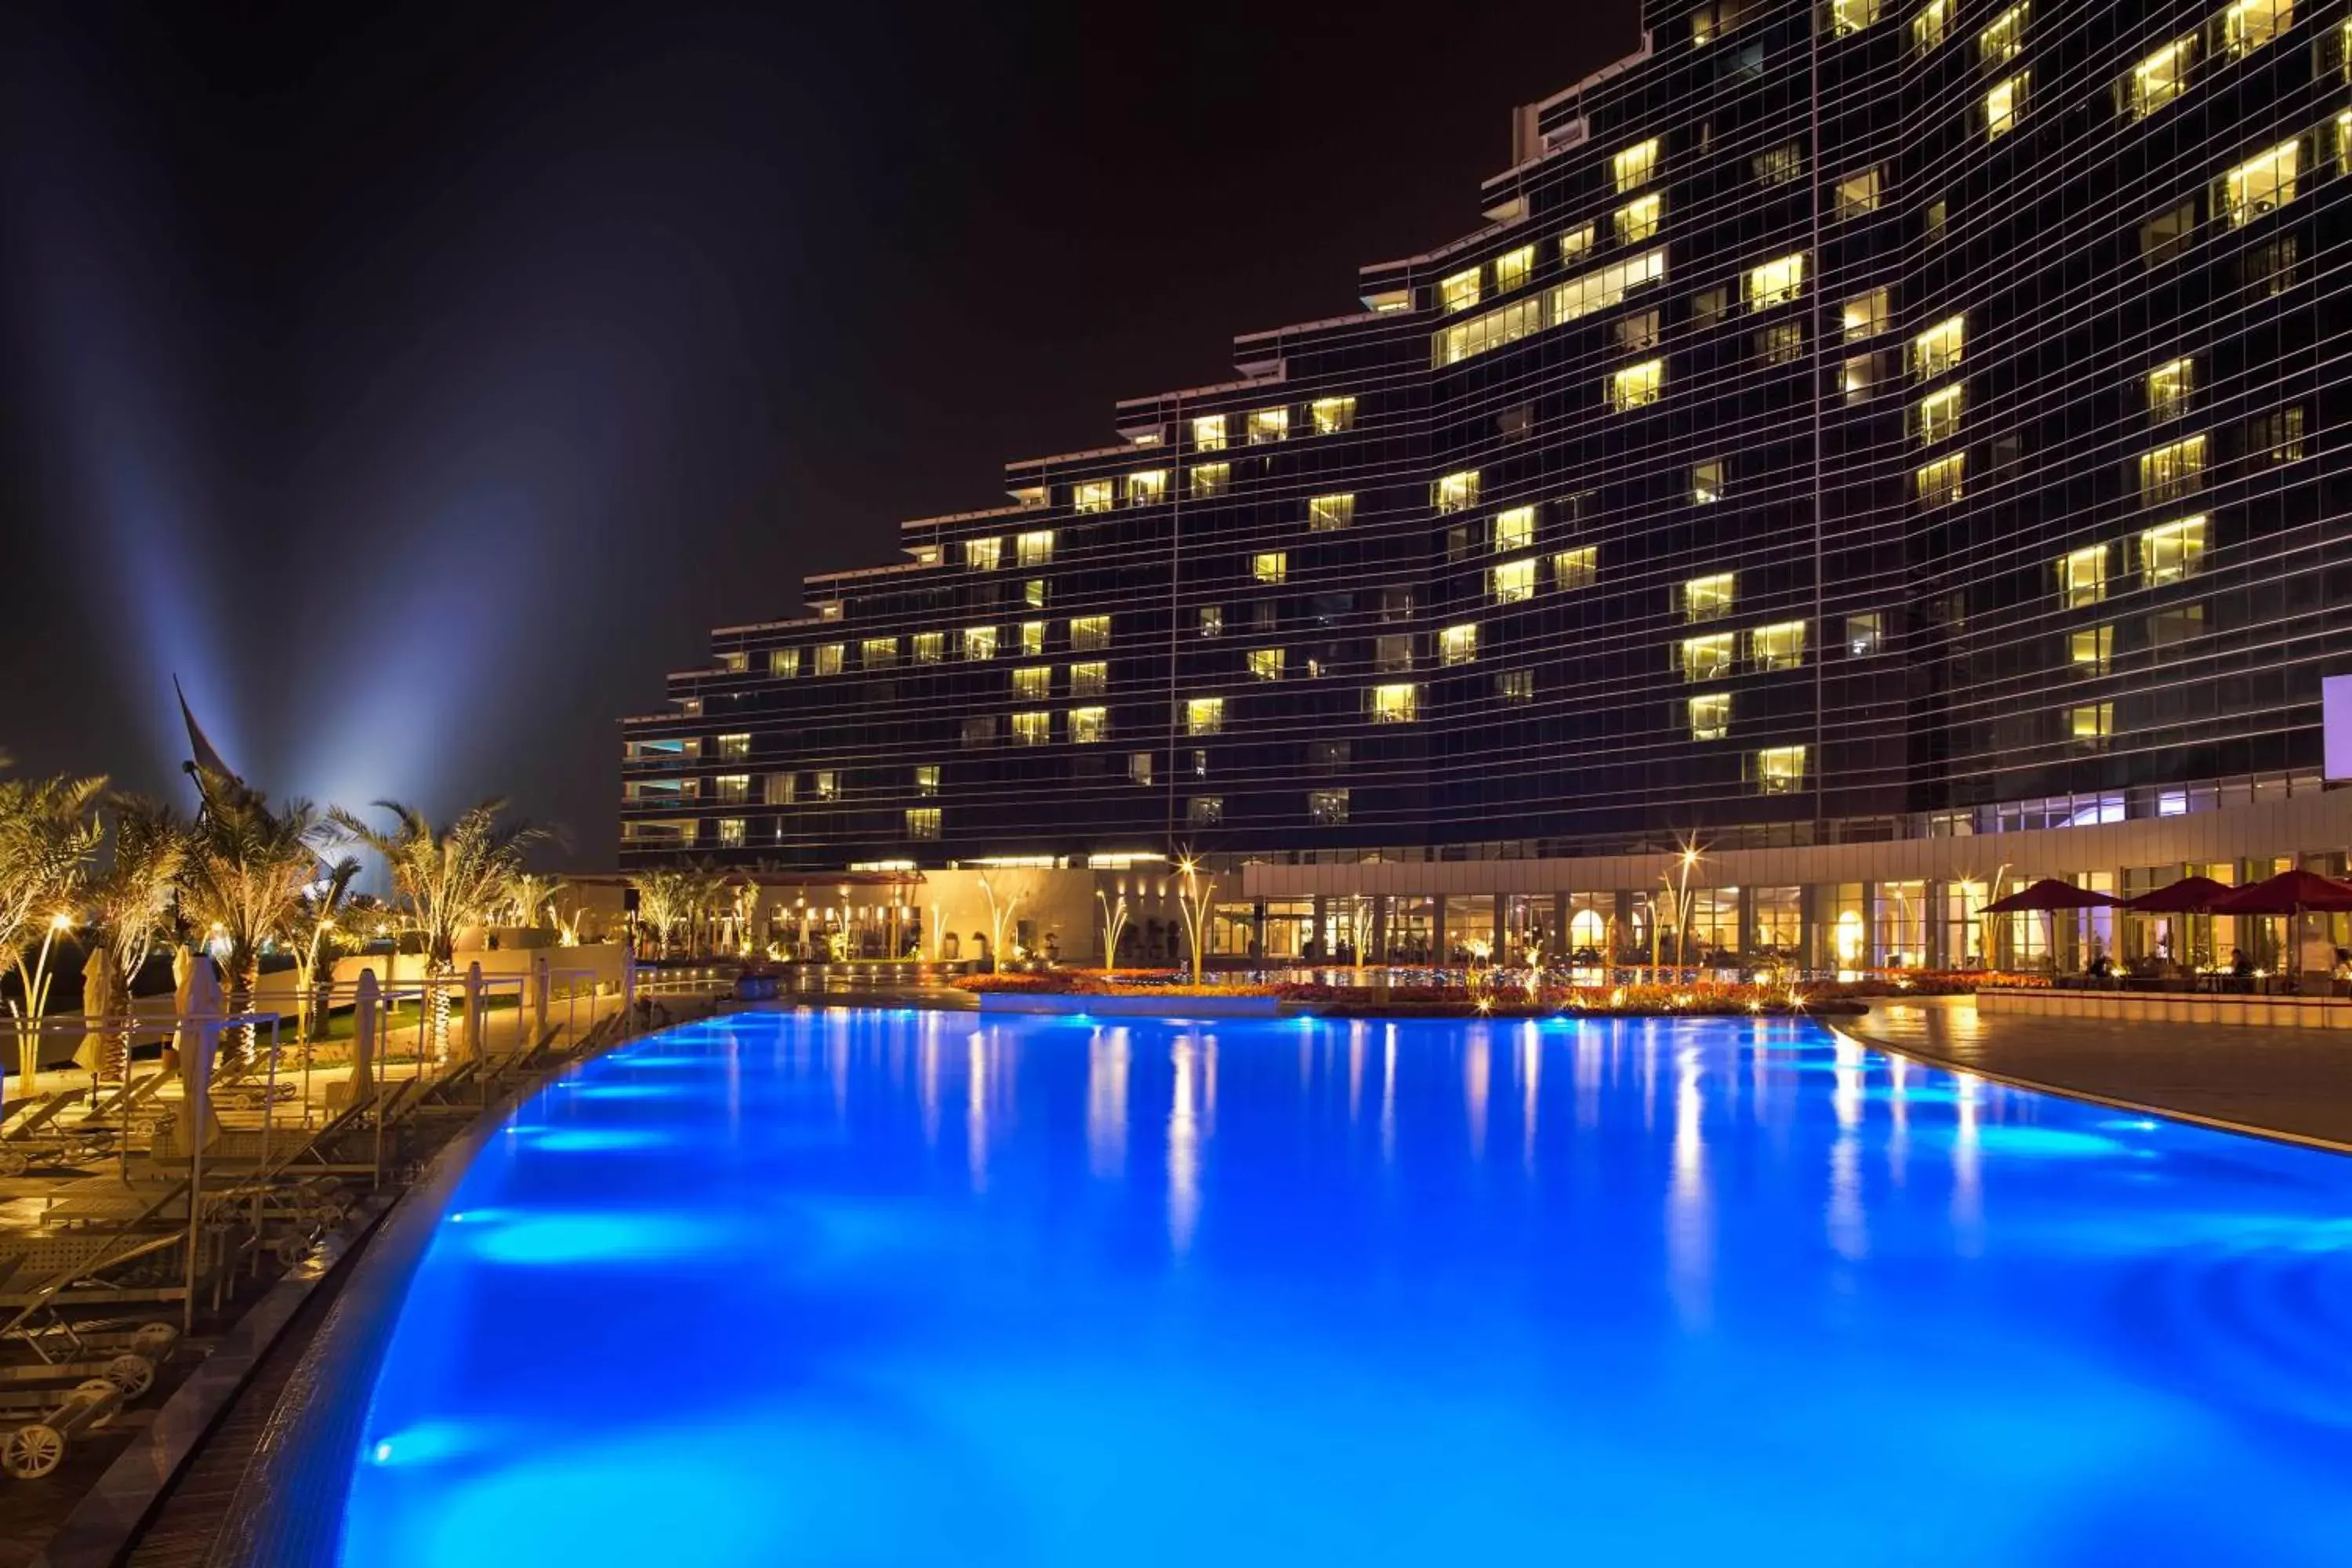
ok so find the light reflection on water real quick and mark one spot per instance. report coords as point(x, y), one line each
point(1165, 1295)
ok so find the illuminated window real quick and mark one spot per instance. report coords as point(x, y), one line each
point(1213, 620)
point(1394, 704)
point(783, 788)
point(1033, 683)
point(1943, 480)
point(1512, 582)
point(2003, 37)
point(1090, 495)
point(734, 663)
point(2250, 24)
point(1455, 492)
point(1204, 811)
point(2159, 78)
point(1858, 193)
point(1327, 808)
point(1088, 726)
point(1637, 386)
point(1777, 647)
point(1089, 633)
point(1864, 317)
point(1036, 548)
point(1458, 644)
point(1706, 658)
point(1333, 414)
point(1635, 164)
point(1033, 593)
point(1211, 479)
point(979, 642)
point(1704, 598)
point(825, 784)
point(1325, 513)
point(730, 832)
point(1779, 770)
point(1460, 291)
point(2002, 106)
point(1204, 716)
point(1929, 28)
point(1858, 377)
point(1515, 529)
point(982, 554)
point(1637, 220)
point(878, 653)
point(1090, 678)
point(1209, 432)
point(784, 663)
point(1268, 425)
point(1937, 416)
point(2172, 552)
point(2169, 386)
point(1512, 268)
point(922, 822)
point(1710, 716)
point(1491, 330)
point(1606, 286)
point(927, 778)
point(1846, 16)
point(1139, 768)
point(731, 789)
point(1706, 482)
point(1033, 639)
point(2090, 650)
point(828, 658)
point(1266, 663)
point(1514, 686)
point(1575, 244)
point(1031, 729)
point(2091, 724)
point(1393, 654)
point(1270, 566)
point(1866, 633)
point(1938, 349)
point(1783, 342)
point(2277, 435)
point(1578, 568)
point(929, 647)
point(980, 731)
point(2260, 183)
point(2083, 576)
point(2175, 469)
point(1776, 282)
point(1147, 487)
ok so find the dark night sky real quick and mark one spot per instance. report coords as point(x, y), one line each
point(421, 386)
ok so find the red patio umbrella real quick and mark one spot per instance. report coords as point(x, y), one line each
point(2189, 896)
point(2049, 893)
point(2288, 893)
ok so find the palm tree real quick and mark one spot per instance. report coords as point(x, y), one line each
point(450, 881)
point(315, 932)
point(48, 831)
point(666, 898)
point(130, 907)
point(243, 879)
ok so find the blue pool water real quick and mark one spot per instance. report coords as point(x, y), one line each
point(882, 1287)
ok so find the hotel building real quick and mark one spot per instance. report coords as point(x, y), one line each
point(1889, 447)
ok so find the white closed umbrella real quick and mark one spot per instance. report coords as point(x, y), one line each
point(99, 992)
point(199, 1007)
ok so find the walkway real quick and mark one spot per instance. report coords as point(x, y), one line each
point(2295, 1082)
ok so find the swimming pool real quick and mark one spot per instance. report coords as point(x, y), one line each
point(862, 1287)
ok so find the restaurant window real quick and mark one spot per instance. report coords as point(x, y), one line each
point(2083, 576)
point(1327, 513)
point(1777, 647)
point(2172, 552)
point(1333, 414)
point(1705, 598)
point(1710, 716)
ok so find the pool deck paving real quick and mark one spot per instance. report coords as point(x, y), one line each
point(2289, 1083)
